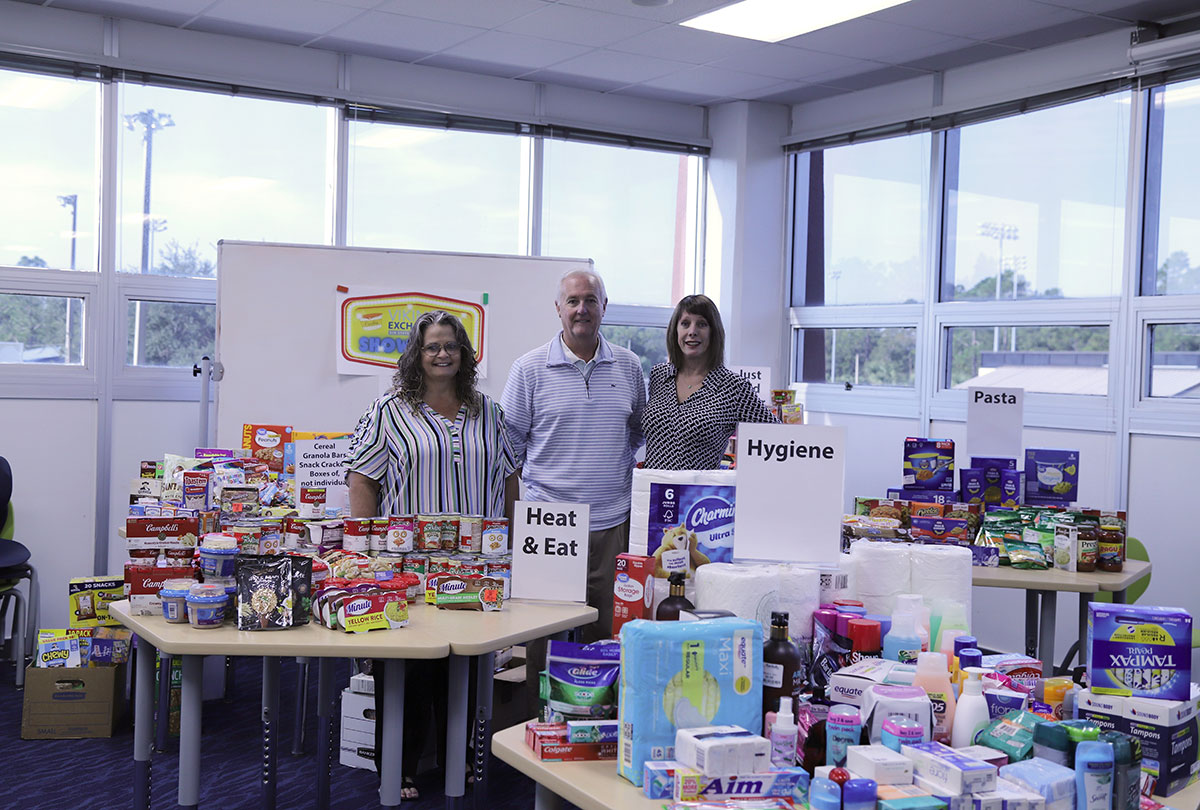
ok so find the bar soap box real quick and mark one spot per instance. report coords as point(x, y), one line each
point(941, 765)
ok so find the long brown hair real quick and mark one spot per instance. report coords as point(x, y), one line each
point(409, 379)
point(703, 306)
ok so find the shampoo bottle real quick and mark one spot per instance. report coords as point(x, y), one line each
point(971, 713)
point(668, 609)
point(934, 678)
point(783, 736)
point(902, 642)
point(783, 671)
point(1094, 776)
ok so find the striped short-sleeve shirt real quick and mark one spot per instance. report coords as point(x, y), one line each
point(426, 463)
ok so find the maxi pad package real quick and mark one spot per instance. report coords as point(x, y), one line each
point(682, 675)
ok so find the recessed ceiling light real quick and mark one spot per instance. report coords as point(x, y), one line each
point(777, 20)
point(652, 2)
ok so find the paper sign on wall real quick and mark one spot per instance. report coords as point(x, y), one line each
point(550, 551)
point(759, 377)
point(319, 466)
point(790, 490)
point(995, 417)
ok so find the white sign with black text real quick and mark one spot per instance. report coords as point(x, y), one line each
point(550, 551)
point(759, 377)
point(790, 492)
point(995, 417)
point(319, 465)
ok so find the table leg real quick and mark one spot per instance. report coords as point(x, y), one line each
point(1031, 619)
point(1046, 631)
point(324, 730)
point(270, 730)
point(143, 723)
point(189, 731)
point(1084, 598)
point(456, 731)
point(485, 668)
point(390, 760)
point(546, 799)
point(161, 717)
point(301, 711)
point(1120, 597)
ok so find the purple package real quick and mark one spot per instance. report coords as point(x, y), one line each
point(1012, 487)
point(702, 514)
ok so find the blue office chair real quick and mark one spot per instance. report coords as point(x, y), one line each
point(14, 567)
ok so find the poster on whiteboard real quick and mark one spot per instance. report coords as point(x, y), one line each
point(759, 378)
point(790, 491)
point(375, 325)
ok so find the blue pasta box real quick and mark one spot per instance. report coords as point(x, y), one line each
point(939, 530)
point(992, 467)
point(1012, 488)
point(928, 464)
point(972, 482)
point(1139, 651)
point(924, 495)
point(1052, 475)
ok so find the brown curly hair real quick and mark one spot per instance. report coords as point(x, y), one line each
point(409, 379)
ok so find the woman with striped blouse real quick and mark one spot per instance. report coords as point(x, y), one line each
point(433, 444)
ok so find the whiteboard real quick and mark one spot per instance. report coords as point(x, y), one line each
point(277, 324)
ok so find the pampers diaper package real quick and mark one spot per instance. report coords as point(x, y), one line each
point(1139, 651)
point(682, 675)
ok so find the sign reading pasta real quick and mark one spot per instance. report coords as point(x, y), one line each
point(376, 326)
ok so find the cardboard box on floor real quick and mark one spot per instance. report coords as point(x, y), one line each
point(67, 703)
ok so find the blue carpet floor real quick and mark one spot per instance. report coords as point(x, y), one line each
point(97, 774)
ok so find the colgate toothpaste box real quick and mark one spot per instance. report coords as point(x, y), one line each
point(143, 582)
point(551, 750)
point(161, 532)
point(633, 590)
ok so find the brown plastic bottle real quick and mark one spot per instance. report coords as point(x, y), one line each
point(783, 675)
point(668, 609)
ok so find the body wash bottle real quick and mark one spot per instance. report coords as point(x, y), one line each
point(1094, 776)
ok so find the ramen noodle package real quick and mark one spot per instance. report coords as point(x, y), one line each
point(1051, 475)
point(1140, 651)
point(928, 464)
point(264, 592)
point(682, 675)
point(266, 443)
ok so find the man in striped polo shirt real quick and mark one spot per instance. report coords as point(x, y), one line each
point(573, 408)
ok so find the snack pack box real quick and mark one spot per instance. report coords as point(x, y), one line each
point(89, 599)
point(266, 443)
point(1139, 651)
point(1051, 475)
point(927, 495)
point(928, 464)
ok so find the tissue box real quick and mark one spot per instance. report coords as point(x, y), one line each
point(720, 750)
point(682, 675)
point(946, 768)
point(658, 778)
point(1139, 651)
point(878, 762)
point(1053, 782)
point(928, 464)
point(691, 785)
point(1051, 475)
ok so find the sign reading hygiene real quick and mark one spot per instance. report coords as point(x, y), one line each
point(790, 492)
point(550, 550)
point(375, 326)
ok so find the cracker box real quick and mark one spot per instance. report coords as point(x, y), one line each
point(940, 530)
point(1051, 475)
point(266, 443)
point(928, 464)
point(633, 590)
point(926, 495)
point(1139, 651)
point(90, 597)
point(161, 532)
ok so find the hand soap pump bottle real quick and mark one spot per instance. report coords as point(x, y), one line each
point(784, 732)
point(668, 609)
point(971, 713)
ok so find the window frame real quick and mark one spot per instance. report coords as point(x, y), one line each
point(55, 380)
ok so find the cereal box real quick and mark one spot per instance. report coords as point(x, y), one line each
point(928, 464)
point(1051, 475)
point(90, 597)
point(266, 443)
point(1139, 651)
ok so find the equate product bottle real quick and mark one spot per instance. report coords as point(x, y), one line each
point(934, 678)
point(902, 642)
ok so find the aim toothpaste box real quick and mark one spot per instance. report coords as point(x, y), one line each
point(691, 785)
point(1139, 651)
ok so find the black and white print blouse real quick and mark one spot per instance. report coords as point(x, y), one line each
point(692, 435)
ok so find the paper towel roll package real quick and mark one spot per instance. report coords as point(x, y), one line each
point(747, 591)
point(882, 571)
point(799, 594)
point(942, 571)
point(682, 675)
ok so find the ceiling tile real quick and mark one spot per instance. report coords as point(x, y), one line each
point(551, 76)
point(578, 25)
point(475, 66)
point(871, 78)
point(624, 68)
point(716, 82)
point(487, 14)
point(1063, 32)
point(876, 40)
point(685, 44)
point(353, 46)
point(514, 49)
point(305, 16)
point(364, 4)
point(976, 19)
point(980, 52)
point(801, 94)
point(658, 94)
point(408, 33)
point(160, 12)
point(785, 62)
point(673, 13)
point(1156, 10)
point(211, 25)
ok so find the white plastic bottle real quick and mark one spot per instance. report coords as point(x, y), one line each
point(971, 713)
point(934, 678)
point(914, 603)
point(784, 733)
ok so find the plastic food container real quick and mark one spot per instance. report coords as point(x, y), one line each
point(217, 562)
point(174, 600)
point(206, 605)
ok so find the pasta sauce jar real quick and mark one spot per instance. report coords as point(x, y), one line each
point(1110, 545)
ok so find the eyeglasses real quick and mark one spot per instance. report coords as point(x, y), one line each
point(434, 349)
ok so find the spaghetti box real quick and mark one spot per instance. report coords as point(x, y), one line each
point(556, 751)
point(926, 495)
point(633, 590)
point(1139, 651)
point(69, 703)
point(658, 778)
point(691, 785)
point(928, 464)
point(161, 532)
point(942, 766)
point(1051, 475)
point(1167, 730)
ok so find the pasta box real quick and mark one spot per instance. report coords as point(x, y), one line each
point(928, 464)
point(1139, 651)
point(992, 467)
point(1051, 475)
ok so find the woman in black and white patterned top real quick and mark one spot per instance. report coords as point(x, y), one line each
point(695, 402)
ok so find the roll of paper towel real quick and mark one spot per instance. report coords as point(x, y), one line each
point(942, 571)
point(747, 591)
point(881, 572)
point(837, 580)
point(799, 594)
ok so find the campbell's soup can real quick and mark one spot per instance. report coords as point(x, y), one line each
point(450, 532)
point(400, 530)
point(270, 540)
point(429, 533)
point(498, 567)
point(356, 534)
point(377, 541)
point(470, 533)
point(294, 532)
point(473, 566)
point(494, 538)
point(438, 564)
point(417, 564)
point(247, 537)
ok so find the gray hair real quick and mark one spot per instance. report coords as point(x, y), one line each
point(596, 280)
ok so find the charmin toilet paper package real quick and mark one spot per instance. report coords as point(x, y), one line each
point(682, 675)
point(684, 518)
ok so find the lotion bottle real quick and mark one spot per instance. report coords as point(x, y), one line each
point(933, 676)
point(971, 712)
point(1094, 776)
point(783, 667)
point(784, 733)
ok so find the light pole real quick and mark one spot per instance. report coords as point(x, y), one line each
point(1017, 264)
point(70, 201)
point(150, 122)
point(999, 231)
point(835, 275)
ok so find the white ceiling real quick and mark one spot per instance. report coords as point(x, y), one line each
point(614, 46)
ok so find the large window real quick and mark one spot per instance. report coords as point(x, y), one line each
point(883, 356)
point(48, 171)
point(1175, 360)
point(432, 189)
point(41, 329)
point(1047, 359)
point(635, 212)
point(196, 168)
point(649, 343)
point(162, 333)
point(1172, 234)
point(1035, 204)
